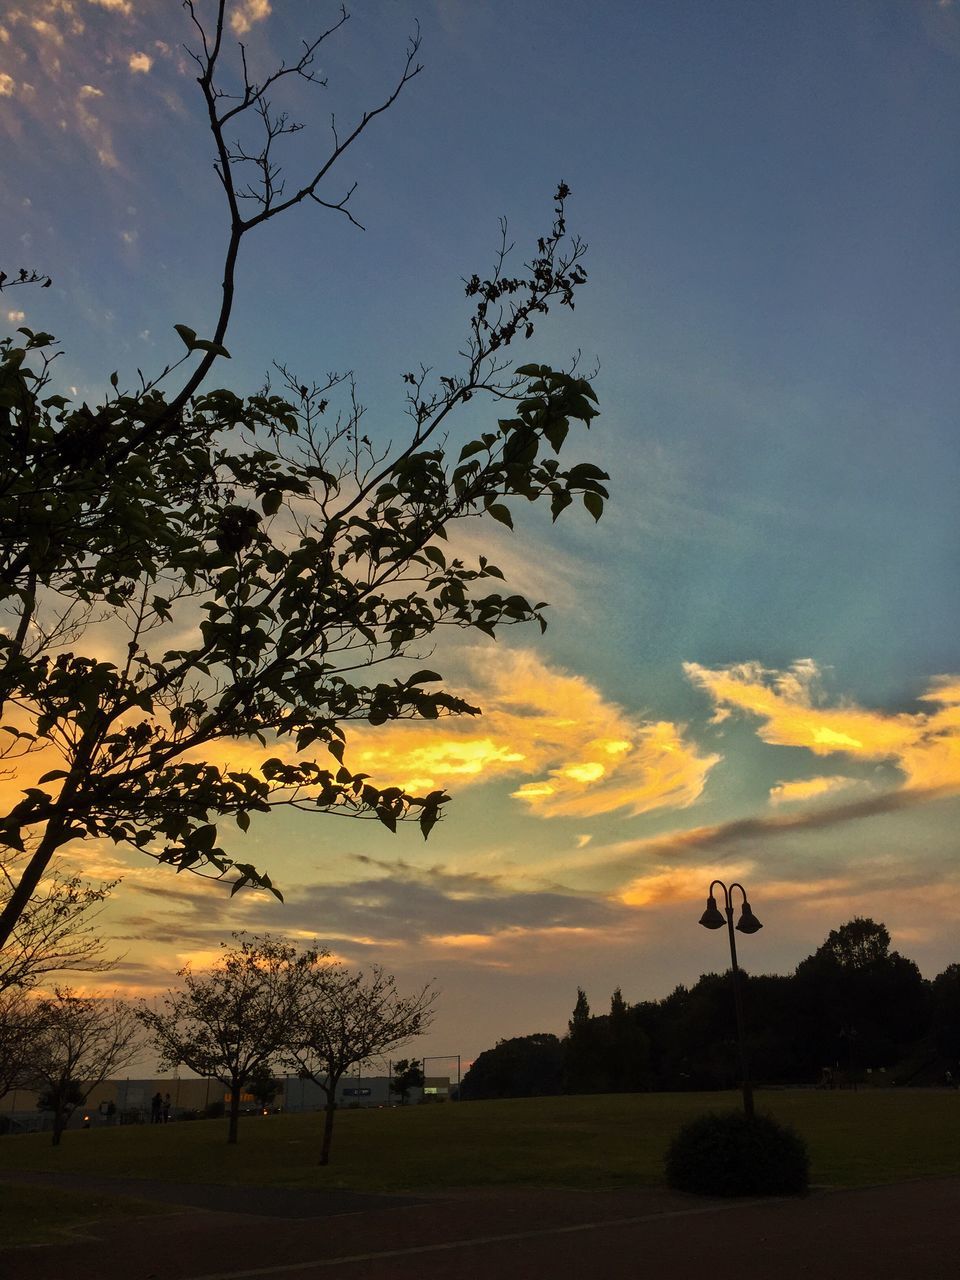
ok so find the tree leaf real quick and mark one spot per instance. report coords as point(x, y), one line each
point(594, 504)
point(501, 513)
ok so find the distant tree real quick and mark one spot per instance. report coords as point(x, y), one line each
point(264, 1086)
point(76, 1043)
point(860, 1003)
point(20, 1023)
point(343, 1020)
point(775, 1045)
point(625, 1050)
point(858, 944)
point(581, 1050)
point(56, 933)
point(698, 1037)
point(232, 1023)
point(407, 1075)
point(524, 1067)
point(262, 558)
point(945, 1011)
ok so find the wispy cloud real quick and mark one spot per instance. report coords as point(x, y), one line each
point(727, 837)
point(69, 65)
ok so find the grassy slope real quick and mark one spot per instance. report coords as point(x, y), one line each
point(615, 1140)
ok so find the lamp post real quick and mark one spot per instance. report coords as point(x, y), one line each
point(748, 923)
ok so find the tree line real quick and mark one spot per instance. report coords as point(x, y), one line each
point(851, 1007)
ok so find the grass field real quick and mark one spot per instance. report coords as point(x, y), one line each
point(29, 1215)
point(605, 1141)
point(855, 1139)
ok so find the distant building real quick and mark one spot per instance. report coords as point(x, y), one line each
point(128, 1101)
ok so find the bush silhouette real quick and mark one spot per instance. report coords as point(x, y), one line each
point(727, 1154)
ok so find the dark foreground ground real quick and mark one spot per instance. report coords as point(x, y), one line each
point(907, 1231)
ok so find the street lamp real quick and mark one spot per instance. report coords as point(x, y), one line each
point(748, 923)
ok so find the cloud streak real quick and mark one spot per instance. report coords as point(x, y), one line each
point(727, 836)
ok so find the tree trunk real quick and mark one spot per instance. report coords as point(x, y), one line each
point(32, 874)
point(328, 1115)
point(58, 1126)
point(234, 1112)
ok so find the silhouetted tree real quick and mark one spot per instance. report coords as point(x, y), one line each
point(77, 1042)
point(581, 1050)
point(21, 1019)
point(261, 557)
point(623, 1050)
point(407, 1075)
point(56, 932)
point(234, 1022)
point(264, 1086)
point(861, 944)
point(343, 1019)
point(523, 1067)
point(859, 1002)
point(945, 1014)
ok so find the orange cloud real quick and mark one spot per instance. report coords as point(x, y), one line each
point(674, 884)
point(246, 13)
point(925, 746)
point(519, 948)
point(809, 789)
point(584, 756)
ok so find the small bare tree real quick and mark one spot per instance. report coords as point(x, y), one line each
point(75, 1043)
point(19, 1025)
point(232, 1023)
point(347, 1018)
point(56, 932)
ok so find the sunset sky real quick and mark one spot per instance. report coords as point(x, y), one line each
point(752, 665)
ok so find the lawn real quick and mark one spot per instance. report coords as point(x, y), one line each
point(31, 1215)
point(605, 1141)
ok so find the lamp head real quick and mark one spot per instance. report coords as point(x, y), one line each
point(712, 918)
point(748, 922)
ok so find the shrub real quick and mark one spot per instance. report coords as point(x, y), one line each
point(727, 1154)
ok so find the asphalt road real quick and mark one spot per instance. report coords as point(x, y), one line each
point(907, 1231)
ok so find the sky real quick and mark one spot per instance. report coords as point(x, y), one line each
point(751, 669)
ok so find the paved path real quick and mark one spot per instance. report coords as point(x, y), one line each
point(908, 1231)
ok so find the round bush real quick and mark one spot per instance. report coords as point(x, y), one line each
point(725, 1154)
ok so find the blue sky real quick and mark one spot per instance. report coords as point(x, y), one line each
point(752, 662)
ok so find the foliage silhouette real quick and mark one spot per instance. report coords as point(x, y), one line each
point(853, 1005)
point(342, 1020)
point(261, 559)
point(234, 1022)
